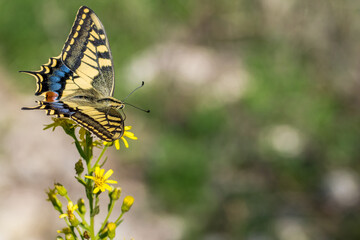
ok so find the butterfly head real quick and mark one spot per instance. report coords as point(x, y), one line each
point(120, 106)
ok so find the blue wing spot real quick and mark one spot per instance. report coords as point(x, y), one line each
point(54, 79)
point(59, 73)
point(55, 86)
point(64, 68)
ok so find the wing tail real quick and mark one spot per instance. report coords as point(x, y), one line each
point(57, 109)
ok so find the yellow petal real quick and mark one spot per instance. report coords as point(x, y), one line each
point(127, 128)
point(108, 174)
point(117, 144)
point(130, 135)
point(97, 170)
point(111, 181)
point(90, 177)
point(96, 190)
point(63, 215)
point(125, 142)
point(107, 187)
point(101, 172)
point(102, 187)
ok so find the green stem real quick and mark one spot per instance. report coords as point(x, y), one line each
point(78, 229)
point(88, 146)
point(80, 150)
point(108, 215)
point(92, 234)
point(100, 156)
point(117, 222)
point(89, 195)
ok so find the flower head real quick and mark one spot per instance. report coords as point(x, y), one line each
point(101, 180)
point(127, 134)
point(70, 211)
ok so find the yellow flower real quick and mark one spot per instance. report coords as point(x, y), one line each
point(126, 134)
point(101, 180)
point(70, 211)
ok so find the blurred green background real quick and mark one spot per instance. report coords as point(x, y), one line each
point(254, 128)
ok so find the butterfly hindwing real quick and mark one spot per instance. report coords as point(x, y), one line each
point(52, 77)
point(87, 52)
point(105, 122)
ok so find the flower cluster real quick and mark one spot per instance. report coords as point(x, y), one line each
point(95, 181)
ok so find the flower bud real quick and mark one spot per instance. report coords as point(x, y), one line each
point(60, 189)
point(115, 194)
point(127, 203)
point(104, 232)
point(64, 230)
point(79, 167)
point(54, 200)
point(69, 236)
point(111, 230)
point(59, 238)
point(73, 220)
point(81, 205)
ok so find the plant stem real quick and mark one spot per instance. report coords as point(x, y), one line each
point(118, 219)
point(108, 215)
point(100, 156)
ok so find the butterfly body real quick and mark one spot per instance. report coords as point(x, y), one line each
point(79, 83)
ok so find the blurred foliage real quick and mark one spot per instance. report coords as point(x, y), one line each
point(218, 165)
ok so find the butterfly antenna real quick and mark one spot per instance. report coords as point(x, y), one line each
point(142, 84)
point(137, 107)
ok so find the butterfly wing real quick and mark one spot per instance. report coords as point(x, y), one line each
point(87, 52)
point(105, 122)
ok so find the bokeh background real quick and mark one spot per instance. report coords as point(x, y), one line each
point(254, 128)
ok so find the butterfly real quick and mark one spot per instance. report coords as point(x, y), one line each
point(79, 83)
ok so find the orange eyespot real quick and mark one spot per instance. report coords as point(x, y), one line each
point(51, 96)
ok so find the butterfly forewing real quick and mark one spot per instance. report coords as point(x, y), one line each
point(87, 53)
